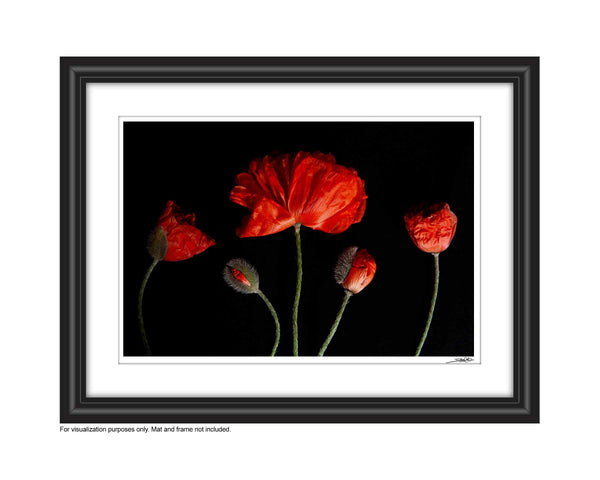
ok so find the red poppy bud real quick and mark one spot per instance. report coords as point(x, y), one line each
point(431, 227)
point(241, 276)
point(355, 269)
point(309, 189)
point(184, 240)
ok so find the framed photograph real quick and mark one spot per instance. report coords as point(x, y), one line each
point(299, 240)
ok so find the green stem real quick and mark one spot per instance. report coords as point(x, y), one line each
point(274, 313)
point(298, 288)
point(140, 315)
point(436, 262)
point(336, 323)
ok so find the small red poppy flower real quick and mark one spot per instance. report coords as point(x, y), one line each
point(355, 269)
point(176, 232)
point(431, 227)
point(309, 189)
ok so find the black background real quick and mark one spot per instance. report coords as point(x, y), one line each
point(190, 311)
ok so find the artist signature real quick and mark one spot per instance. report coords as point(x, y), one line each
point(461, 360)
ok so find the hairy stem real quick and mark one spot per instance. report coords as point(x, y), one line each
point(436, 262)
point(140, 314)
point(298, 289)
point(347, 296)
point(274, 314)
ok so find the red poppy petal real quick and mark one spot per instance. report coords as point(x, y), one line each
point(307, 195)
point(189, 219)
point(361, 273)
point(243, 196)
point(267, 178)
point(267, 217)
point(301, 156)
point(341, 221)
point(167, 219)
point(185, 241)
point(431, 228)
point(348, 205)
point(311, 190)
point(271, 174)
point(239, 276)
point(321, 191)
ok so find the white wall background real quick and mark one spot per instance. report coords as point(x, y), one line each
point(32, 37)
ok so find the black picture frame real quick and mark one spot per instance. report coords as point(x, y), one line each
point(77, 407)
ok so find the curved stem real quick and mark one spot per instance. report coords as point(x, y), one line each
point(140, 300)
point(298, 288)
point(436, 262)
point(274, 313)
point(336, 323)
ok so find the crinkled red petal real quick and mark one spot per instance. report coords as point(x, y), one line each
point(361, 273)
point(431, 227)
point(184, 240)
point(311, 190)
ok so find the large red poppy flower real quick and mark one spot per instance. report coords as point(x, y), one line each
point(431, 227)
point(184, 240)
point(309, 189)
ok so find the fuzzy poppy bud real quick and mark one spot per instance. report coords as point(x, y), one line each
point(241, 276)
point(158, 244)
point(355, 269)
point(431, 227)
